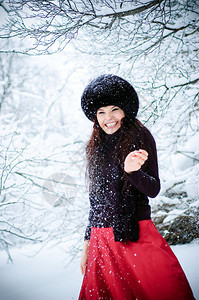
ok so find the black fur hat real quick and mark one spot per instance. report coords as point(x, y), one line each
point(107, 90)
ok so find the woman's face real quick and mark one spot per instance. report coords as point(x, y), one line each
point(109, 118)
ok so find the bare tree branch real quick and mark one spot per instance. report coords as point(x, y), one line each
point(1, 5)
point(185, 83)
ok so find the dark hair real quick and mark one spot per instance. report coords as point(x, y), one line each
point(131, 138)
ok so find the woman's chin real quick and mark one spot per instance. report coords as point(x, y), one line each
point(111, 130)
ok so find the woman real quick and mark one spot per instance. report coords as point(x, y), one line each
point(124, 257)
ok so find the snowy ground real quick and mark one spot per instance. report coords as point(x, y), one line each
point(44, 277)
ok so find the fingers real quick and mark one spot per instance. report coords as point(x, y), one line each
point(144, 152)
point(141, 154)
point(83, 269)
point(135, 160)
point(83, 266)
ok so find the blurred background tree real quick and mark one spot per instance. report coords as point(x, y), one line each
point(154, 42)
point(49, 52)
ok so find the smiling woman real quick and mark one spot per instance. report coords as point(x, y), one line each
point(124, 256)
point(110, 118)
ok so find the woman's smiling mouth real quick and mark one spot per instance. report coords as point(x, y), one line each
point(111, 124)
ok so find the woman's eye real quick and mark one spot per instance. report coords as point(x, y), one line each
point(100, 112)
point(115, 109)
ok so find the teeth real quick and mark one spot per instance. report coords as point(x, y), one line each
point(111, 124)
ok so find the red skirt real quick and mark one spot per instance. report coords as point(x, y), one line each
point(142, 270)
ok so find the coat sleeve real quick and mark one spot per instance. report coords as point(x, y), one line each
point(91, 214)
point(146, 180)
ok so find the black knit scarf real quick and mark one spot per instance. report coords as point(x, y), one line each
point(127, 227)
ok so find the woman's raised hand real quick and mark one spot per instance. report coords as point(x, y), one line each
point(135, 160)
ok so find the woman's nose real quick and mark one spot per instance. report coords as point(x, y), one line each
point(109, 114)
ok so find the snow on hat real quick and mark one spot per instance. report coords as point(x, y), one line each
point(107, 90)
